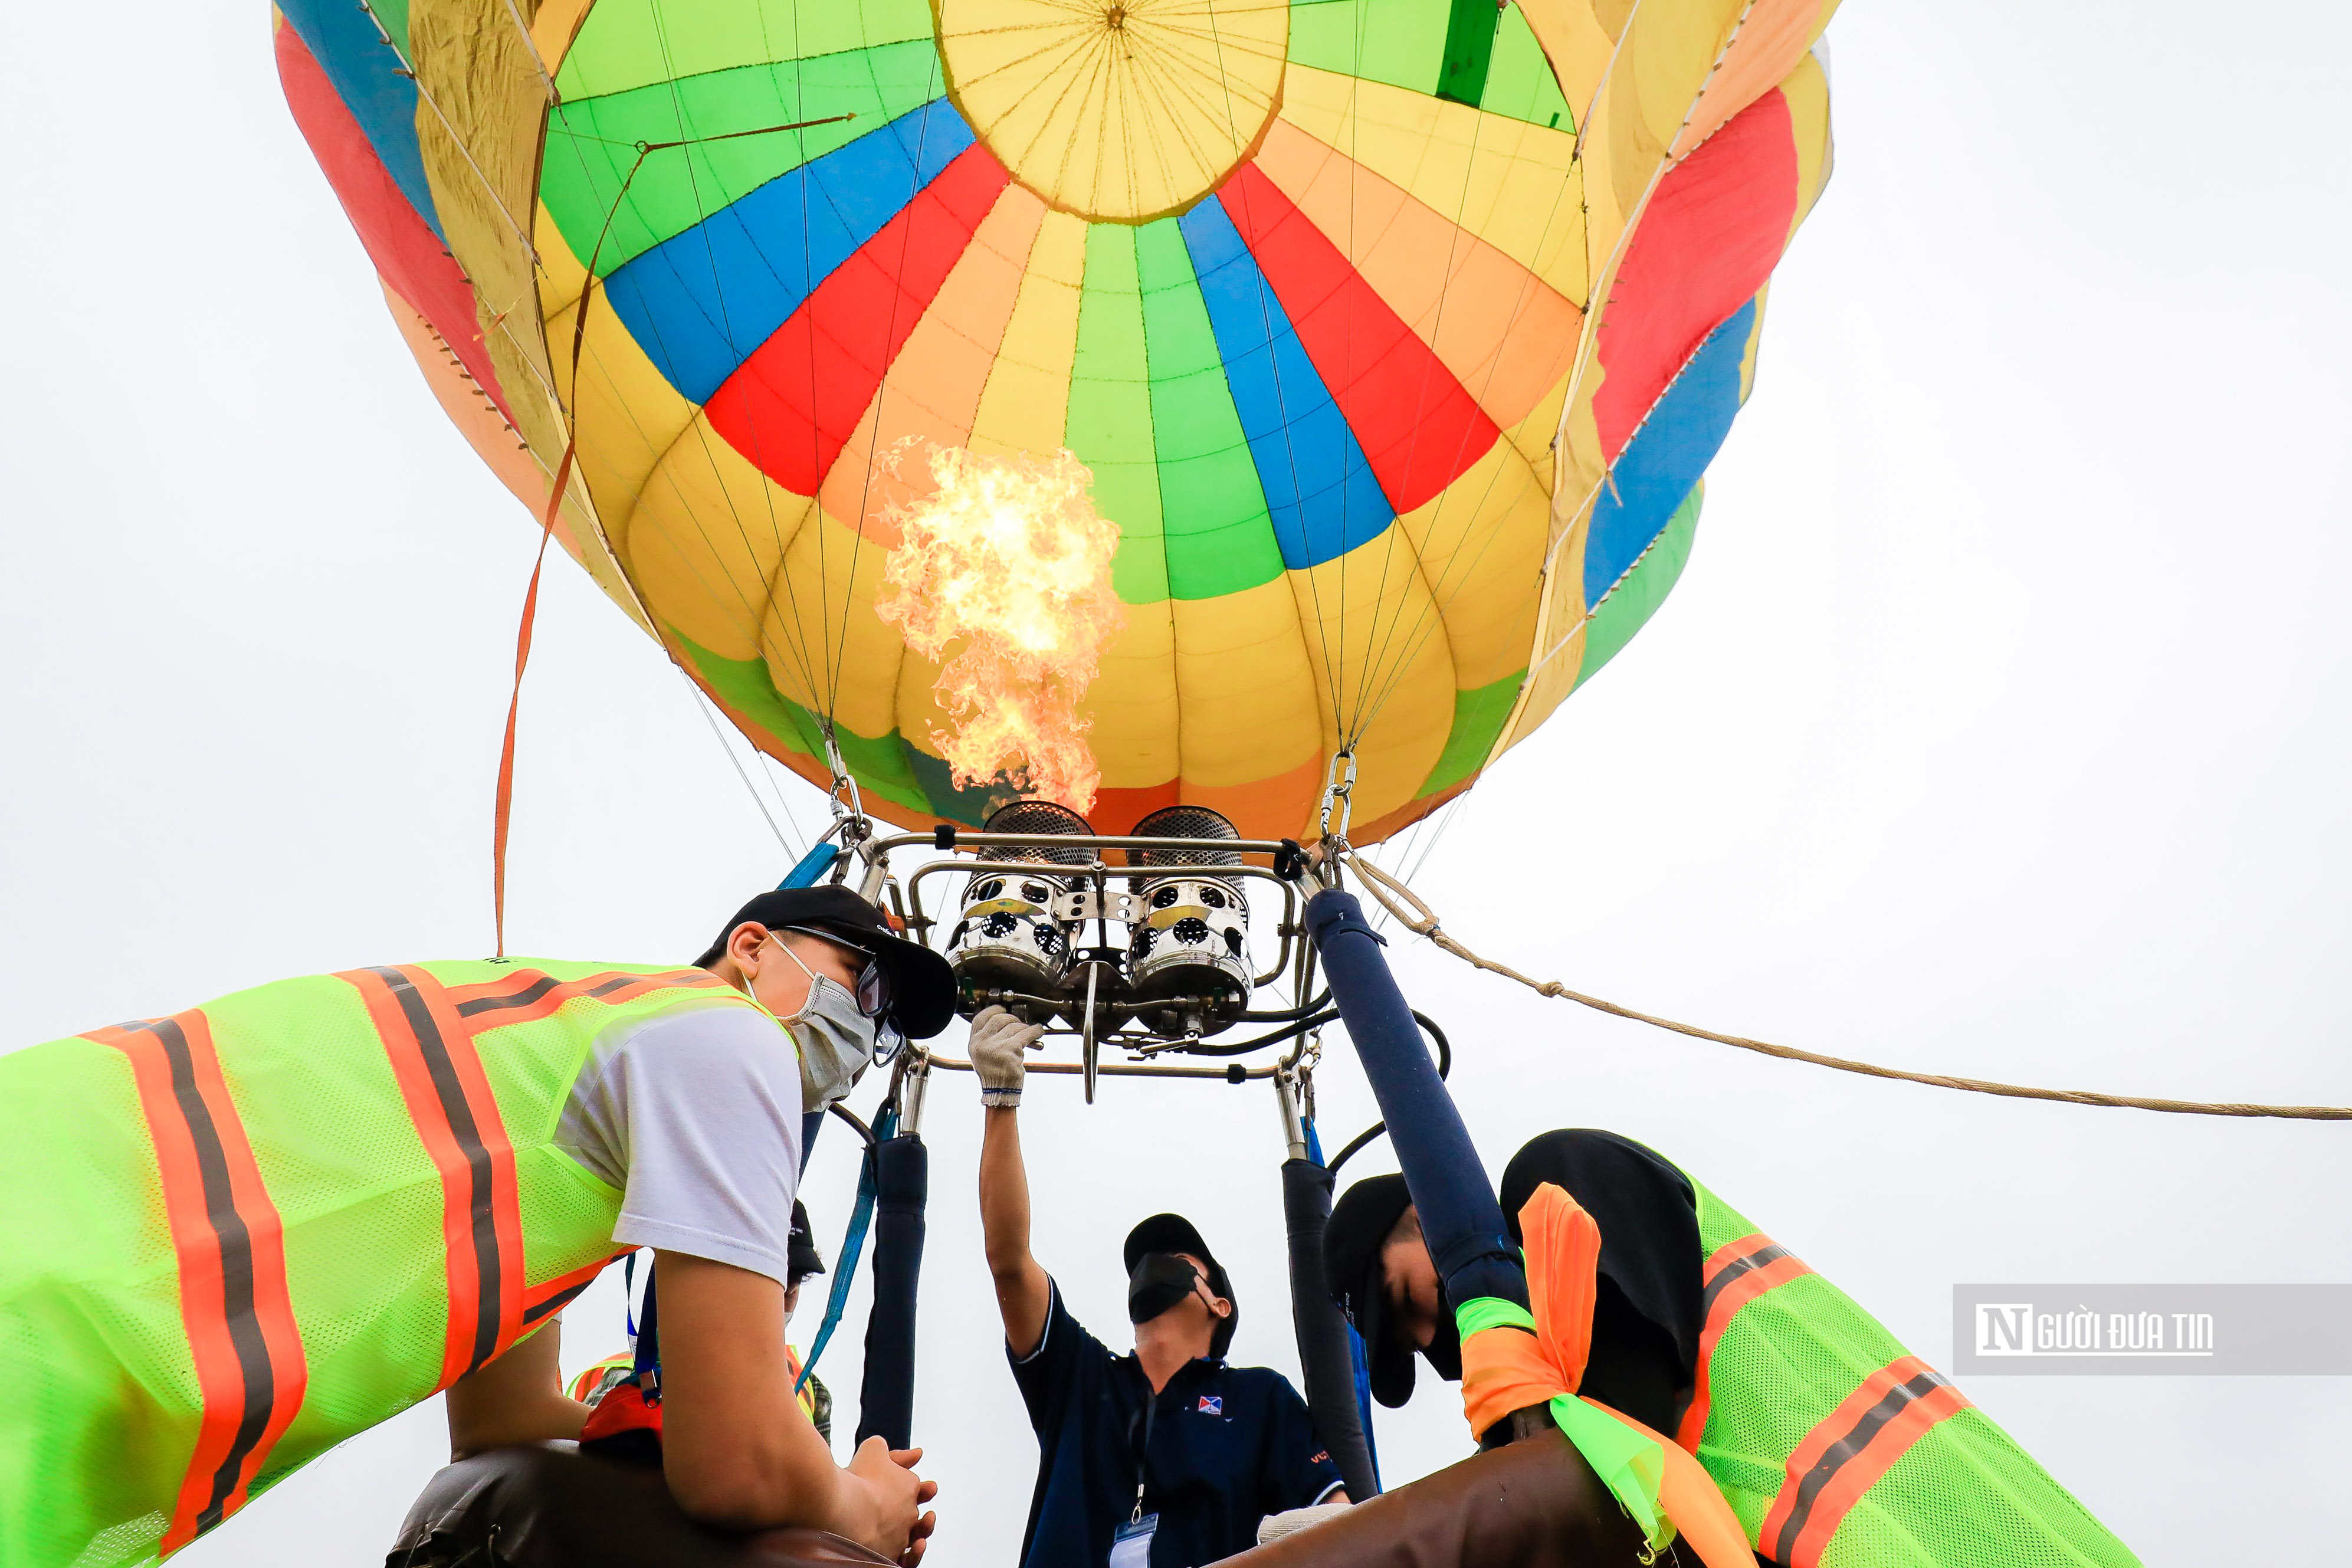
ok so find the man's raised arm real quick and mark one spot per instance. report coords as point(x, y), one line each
point(1023, 1291)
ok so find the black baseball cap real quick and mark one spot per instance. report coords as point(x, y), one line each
point(1360, 1222)
point(801, 1256)
point(1174, 1232)
point(922, 986)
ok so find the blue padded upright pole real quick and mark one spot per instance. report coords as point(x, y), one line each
point(885, 1400)
point(1324, 1337)
point(1459, 1219)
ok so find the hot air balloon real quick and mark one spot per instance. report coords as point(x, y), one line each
point(1389, 339)
point(1203, 415)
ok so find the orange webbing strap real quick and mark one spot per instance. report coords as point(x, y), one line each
point(230, 1246)
point(1505, 1368)
point(1734, 1275)
point(1563, 1262)
point(448, 1098)
point(1843, 1456)
point(523, 658)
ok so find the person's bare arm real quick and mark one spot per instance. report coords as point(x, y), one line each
point(514, 1400)
point(1023, 1291)
point(737, 1448)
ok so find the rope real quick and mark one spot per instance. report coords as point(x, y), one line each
point(1423, 920)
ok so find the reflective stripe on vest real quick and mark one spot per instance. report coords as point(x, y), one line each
point(1734, 1275)
point(429, 1030)
point(1843, 1456)
point(1838, 1448)
point(530, 996)
point(440, 1076)
point(555, 1295)
point(230, 1247)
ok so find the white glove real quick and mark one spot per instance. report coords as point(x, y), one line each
point(1275, 1526)
point(998, 1040)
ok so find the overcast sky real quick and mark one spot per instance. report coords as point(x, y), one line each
point(1999, 726)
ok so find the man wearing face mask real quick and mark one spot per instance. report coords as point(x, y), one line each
point(1163, 1459)
point(233, 1237)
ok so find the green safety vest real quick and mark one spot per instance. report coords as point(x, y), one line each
point(236, 1236)
point(1838, 1448)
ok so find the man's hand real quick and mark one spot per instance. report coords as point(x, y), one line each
point(998, 1042)
point(878, 1502)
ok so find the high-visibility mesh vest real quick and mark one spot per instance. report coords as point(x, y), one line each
point(1838, 1448)
point(231, 1238)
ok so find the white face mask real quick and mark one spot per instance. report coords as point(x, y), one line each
point(835, 1040)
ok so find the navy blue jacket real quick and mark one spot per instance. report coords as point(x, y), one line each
point(1229, 1445)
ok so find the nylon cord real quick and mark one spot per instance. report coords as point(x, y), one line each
point(703, 703)
point(1422, 921)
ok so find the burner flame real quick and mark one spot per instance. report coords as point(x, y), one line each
point(1008, 557)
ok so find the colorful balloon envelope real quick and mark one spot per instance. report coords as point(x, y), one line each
point(1394, 336)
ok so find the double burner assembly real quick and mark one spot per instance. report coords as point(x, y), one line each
point(1047, 932)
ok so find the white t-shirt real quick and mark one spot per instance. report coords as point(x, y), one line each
point(695, 1115)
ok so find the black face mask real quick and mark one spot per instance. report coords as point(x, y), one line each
point(1160, 1281)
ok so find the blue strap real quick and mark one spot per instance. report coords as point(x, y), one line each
point(645, 1338)
point(853, 1247)
point(812, 864)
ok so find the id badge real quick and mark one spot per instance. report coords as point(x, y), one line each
point(1131, 1546)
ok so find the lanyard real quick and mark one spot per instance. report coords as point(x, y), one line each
point(1143, 1450)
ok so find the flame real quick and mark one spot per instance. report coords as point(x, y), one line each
point(1008, 555)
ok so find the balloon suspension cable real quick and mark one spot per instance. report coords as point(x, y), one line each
point(712, 719)
point(1339, 798)
point(848, 807)
point(1420, 918)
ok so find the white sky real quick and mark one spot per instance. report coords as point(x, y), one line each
point(1999, 726)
